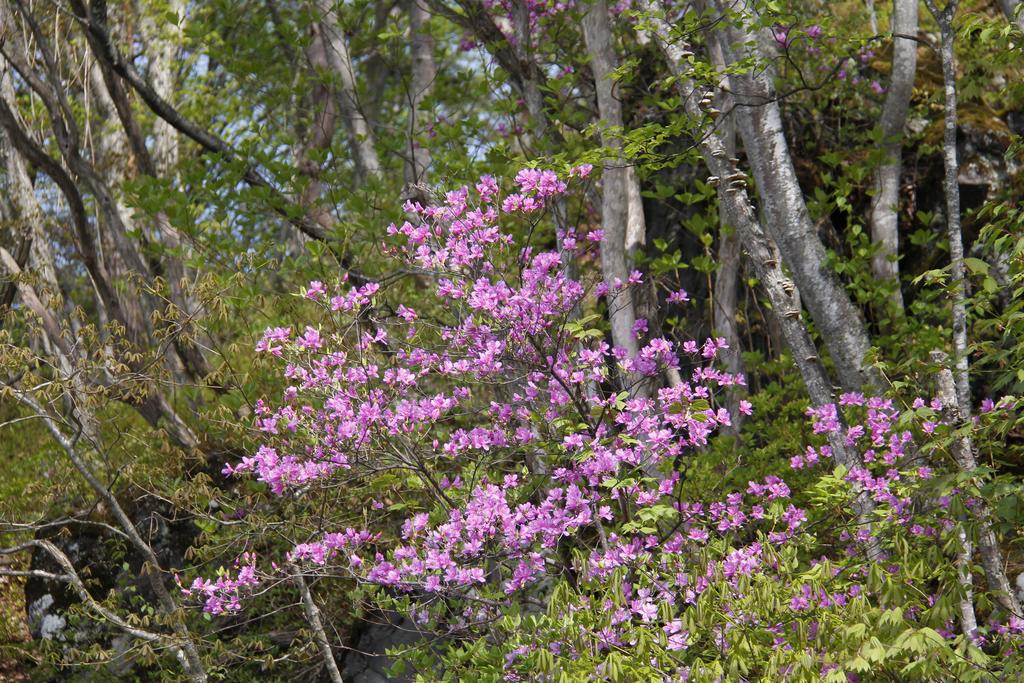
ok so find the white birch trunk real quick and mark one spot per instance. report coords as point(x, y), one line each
point(615, 181)
point(764, 255)
point(759, 120)
point(963, 449)
point(884, 214)
point(421, 86)
point(360, 137)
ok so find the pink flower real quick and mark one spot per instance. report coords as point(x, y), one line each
point(781, 35)
point(316, 290)
point(310, 340)
point(679, 296)
point(502, 371)
point(272, 335)
point(581, 171)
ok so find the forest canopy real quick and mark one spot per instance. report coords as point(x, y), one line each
point(511, 340)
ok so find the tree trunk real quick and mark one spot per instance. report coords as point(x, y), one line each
point(615, 182)
point(885, 203)
point(316, 624)
point(963, 449)
point(727, 277)
point(30, 215)
point(319, 136)
point(162, 74)
point(963, 453)
point(764, 255)
point(421, 85)
point(951, 188)
point(759, 121)
point(360, 137)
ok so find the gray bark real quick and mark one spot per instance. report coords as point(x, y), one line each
point(951, 188)
point(319, 136)
point(164, 163)
point(316, 624)
point(125, 259)
point(533, 98)
point(885, 203)
point(108, 254)
point(729, 261)
point(421, 85)
point(759, 121)
point(955, 387)
point(22, 194)
point(963, 453)
point(525, 74)
point(724, 311)
point(764, 255)
point(252, 174)
point(528, 79)
point(360, 137)
point(636, 225)
point(125, 262)
point(615, 181)
point(968, 618)
point(164, 50)
point(965, 555)
point(183, 357)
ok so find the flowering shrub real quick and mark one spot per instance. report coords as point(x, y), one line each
point(848, 70)
point(546, 537)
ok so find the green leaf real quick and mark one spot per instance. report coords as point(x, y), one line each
point(976, 265)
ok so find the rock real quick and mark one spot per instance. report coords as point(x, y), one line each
point(44, 622)
point(368, 663)
point(46, 602)
point(92, 549)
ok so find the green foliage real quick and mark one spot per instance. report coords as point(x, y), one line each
point(242, 73)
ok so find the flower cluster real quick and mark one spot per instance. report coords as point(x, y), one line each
point(807, 42)
point(224, 594)
point(571, 471)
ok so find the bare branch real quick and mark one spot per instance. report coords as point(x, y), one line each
point(71, 577)
point(192, 661)
point(312, 613)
